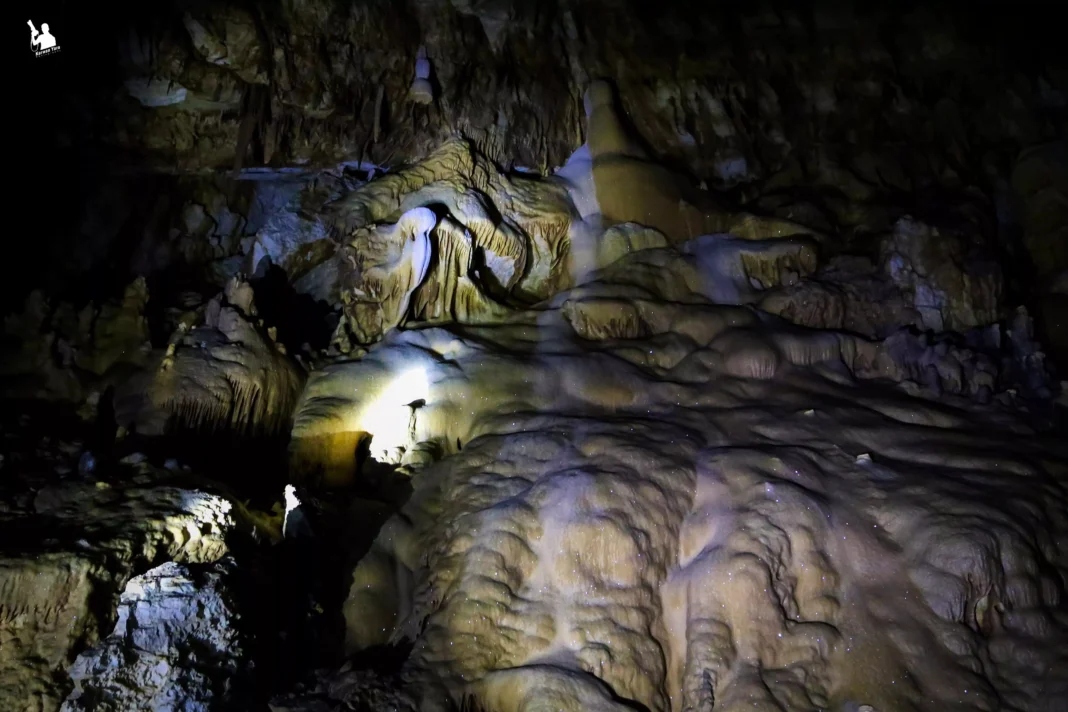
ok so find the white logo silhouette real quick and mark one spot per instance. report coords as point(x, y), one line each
point(43, 42)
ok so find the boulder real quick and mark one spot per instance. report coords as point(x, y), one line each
point(177, 645)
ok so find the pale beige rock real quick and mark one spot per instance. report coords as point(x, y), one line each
point(519, 224)
point(646, 496)
point(620, 240)
point(388, 264)
point(450, 292)
point(504, 241)
point(632, 188)
point(226, 371)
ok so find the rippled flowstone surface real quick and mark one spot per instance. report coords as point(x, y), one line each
point(710, 344)
point(646, 497)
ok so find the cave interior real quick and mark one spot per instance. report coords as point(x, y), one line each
point(536, 355)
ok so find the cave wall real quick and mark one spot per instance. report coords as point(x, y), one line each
point(841, 117)
point(733, 94)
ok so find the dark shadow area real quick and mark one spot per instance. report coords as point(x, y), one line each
point(379, 481)
point(166, 290)
point(382, 659)
point(253, 465)
point(299, 318)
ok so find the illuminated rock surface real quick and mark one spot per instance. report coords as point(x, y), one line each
point(79, 543)
point(610, 356)
point(176, 645)
point(226, 371)
point(698, 505)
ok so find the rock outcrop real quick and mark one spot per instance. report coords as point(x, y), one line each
point(176, 645)
point(79, 544)
point(705, 381)
point(53, 351)
point(923, 278)
point(950, 289)
point(498, 239)
point(759, 87)
point(227, 371)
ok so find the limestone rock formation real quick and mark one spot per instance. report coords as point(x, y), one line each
point(1040, 192)
point(923, 278)
point(355, 689)
point(228, 371)
point(392, 279)
point(80, 543)
point(1039, 183)
point(119, 332)
point(761, 86)
point(53, 351)
point(501, 211)
point(951, 290)
point(421, 91)
point(176, 645)
point(643, 497)
point(28, 353)
point(1052, 317)
point(849, 292)
point(621, 240)
point(630, 187)
point(502, 241)
point(228, 37)
point(294, 235)
point(499, 239)
point(663, 356)
point(931, 367)
point(390, 264)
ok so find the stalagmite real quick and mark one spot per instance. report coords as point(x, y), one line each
point(421, 91)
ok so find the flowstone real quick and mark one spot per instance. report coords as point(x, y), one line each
point(450, 239)
point(648, 497)
point(453, 239)
point(227, 371)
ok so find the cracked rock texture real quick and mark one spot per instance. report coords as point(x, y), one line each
point(176, 646)
point(82, 541)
